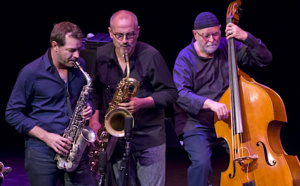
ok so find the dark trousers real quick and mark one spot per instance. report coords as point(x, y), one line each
point(42, 170)
point(198, 143)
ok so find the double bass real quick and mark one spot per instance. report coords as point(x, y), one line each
point(253, 129)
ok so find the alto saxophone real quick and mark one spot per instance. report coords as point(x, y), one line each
point(79, 134)
point(114, 118)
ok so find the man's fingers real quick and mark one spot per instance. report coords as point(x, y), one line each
point(223, 113)
point(60, 148)
point(63, 145)
point(65, 140)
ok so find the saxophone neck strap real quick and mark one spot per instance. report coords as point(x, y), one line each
point(68, 101)
point(64, 85)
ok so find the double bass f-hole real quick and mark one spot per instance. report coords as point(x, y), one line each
point(267, 158)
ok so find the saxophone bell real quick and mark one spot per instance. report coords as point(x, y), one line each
point(114, 121)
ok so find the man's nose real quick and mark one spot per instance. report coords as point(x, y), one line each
point(124, 39)
point(76, 54)
point(211, 38)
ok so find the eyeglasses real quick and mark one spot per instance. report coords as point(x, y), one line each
point(207, 36)
point(129, 35)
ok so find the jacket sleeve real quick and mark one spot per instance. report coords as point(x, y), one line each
point(253, 52)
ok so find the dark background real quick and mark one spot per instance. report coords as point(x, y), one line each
point(26, 27)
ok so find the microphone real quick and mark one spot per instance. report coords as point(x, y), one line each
point(128, 128)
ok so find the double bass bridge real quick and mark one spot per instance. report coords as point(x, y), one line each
point(245, 162)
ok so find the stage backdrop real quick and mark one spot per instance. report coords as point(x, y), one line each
point(26, 26)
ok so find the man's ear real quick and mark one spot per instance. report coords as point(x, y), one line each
point(110, 32)
point(138, 31)
point(194, 33)
point(54, 45)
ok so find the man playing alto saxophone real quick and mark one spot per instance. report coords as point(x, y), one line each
point(156, 91)
point(41, 104)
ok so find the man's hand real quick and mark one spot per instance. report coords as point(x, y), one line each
point(94, 123)
point(58, 143)
point(219, 108)
point(136, 104)
point(87, 112)
point(233, 31)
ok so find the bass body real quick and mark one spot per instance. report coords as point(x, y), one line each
point(256, 155)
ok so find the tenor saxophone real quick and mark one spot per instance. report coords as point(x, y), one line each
point(114, 118)
point(79, 134)
point(126, 89)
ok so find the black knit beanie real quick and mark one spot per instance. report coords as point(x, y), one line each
point(205, 20)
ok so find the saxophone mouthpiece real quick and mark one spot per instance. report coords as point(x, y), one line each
point(126, 53)
point(76, 63)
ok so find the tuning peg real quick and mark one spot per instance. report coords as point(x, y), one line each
point(240, 12)
point(240, 9)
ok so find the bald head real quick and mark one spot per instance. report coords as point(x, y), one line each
point(124, 31)
point(123, 16)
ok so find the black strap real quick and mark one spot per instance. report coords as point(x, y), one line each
point(64, 85)
point(68, 100)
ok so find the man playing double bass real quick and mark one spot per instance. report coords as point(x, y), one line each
point(201, 76)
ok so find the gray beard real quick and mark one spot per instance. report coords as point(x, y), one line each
point(209, 48)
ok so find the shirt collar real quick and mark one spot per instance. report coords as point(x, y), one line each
point(113, 57)
point(46, 59)
point(49, 66)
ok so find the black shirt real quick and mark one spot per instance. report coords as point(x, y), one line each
point(149, 68)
